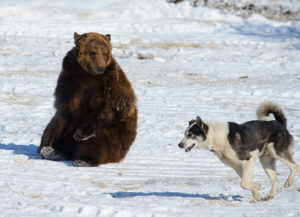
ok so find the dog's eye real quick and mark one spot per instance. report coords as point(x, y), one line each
point(104, 54)
point(93, 53)
point(190, 134)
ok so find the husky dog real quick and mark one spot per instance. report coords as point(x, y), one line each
point(239, 145)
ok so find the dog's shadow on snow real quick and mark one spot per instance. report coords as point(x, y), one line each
point(27, 150)
point(123, 194)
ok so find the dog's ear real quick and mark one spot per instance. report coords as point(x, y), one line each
point(191, 122)
point(203, 125)
point(198, 120)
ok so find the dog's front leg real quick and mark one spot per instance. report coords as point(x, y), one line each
point(246, 182)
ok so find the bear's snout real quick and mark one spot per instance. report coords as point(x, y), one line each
point(101, 70)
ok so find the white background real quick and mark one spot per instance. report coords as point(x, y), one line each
point(199, 61)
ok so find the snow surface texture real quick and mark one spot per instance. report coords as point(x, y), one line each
point(182, 61)
point(272, 9)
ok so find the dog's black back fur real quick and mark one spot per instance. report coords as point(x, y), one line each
point(253, 135)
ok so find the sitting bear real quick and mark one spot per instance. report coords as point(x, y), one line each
point(96, 115)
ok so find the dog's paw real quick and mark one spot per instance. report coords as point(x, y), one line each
point(269, 197)
point(256, 197)
point(80, 136)
point(257, 186)
point(80, 163)
point(288, 183)
point(254, 200)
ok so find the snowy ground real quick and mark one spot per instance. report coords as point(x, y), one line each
point(182, 62)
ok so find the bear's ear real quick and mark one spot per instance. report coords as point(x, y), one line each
point(108, 37)
point(78, 38)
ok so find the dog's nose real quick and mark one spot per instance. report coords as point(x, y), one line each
point(181, 145)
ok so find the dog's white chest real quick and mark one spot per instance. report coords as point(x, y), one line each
point(228, 157)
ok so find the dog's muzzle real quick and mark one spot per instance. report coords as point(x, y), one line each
point(190, 148)
point(181, 145)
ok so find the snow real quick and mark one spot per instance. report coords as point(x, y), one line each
point(196, 61)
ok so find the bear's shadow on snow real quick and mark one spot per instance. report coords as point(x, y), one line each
point(27, 150)
point(122, 194)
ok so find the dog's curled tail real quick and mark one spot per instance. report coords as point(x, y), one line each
point(265, 110)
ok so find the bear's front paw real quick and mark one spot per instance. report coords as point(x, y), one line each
point(80, 136)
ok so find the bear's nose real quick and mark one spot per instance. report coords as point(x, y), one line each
point(101, 70)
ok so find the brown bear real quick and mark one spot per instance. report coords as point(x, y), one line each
point(96, 115)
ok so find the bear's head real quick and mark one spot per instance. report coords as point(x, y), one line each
point(94, 52)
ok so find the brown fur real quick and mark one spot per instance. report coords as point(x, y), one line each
point(96, 116)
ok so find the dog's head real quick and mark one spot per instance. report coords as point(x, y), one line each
point(195, 135)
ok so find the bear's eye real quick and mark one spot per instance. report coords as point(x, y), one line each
point(93, 54)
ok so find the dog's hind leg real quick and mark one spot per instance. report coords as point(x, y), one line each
point(246, 182)
point(269, 165)
point(286, 158)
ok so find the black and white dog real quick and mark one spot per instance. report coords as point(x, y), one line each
point(239, 145)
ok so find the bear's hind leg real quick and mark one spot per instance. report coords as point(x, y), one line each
point(92, 152)
point(81, 163)
point(50, 153)
point(52, 132)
